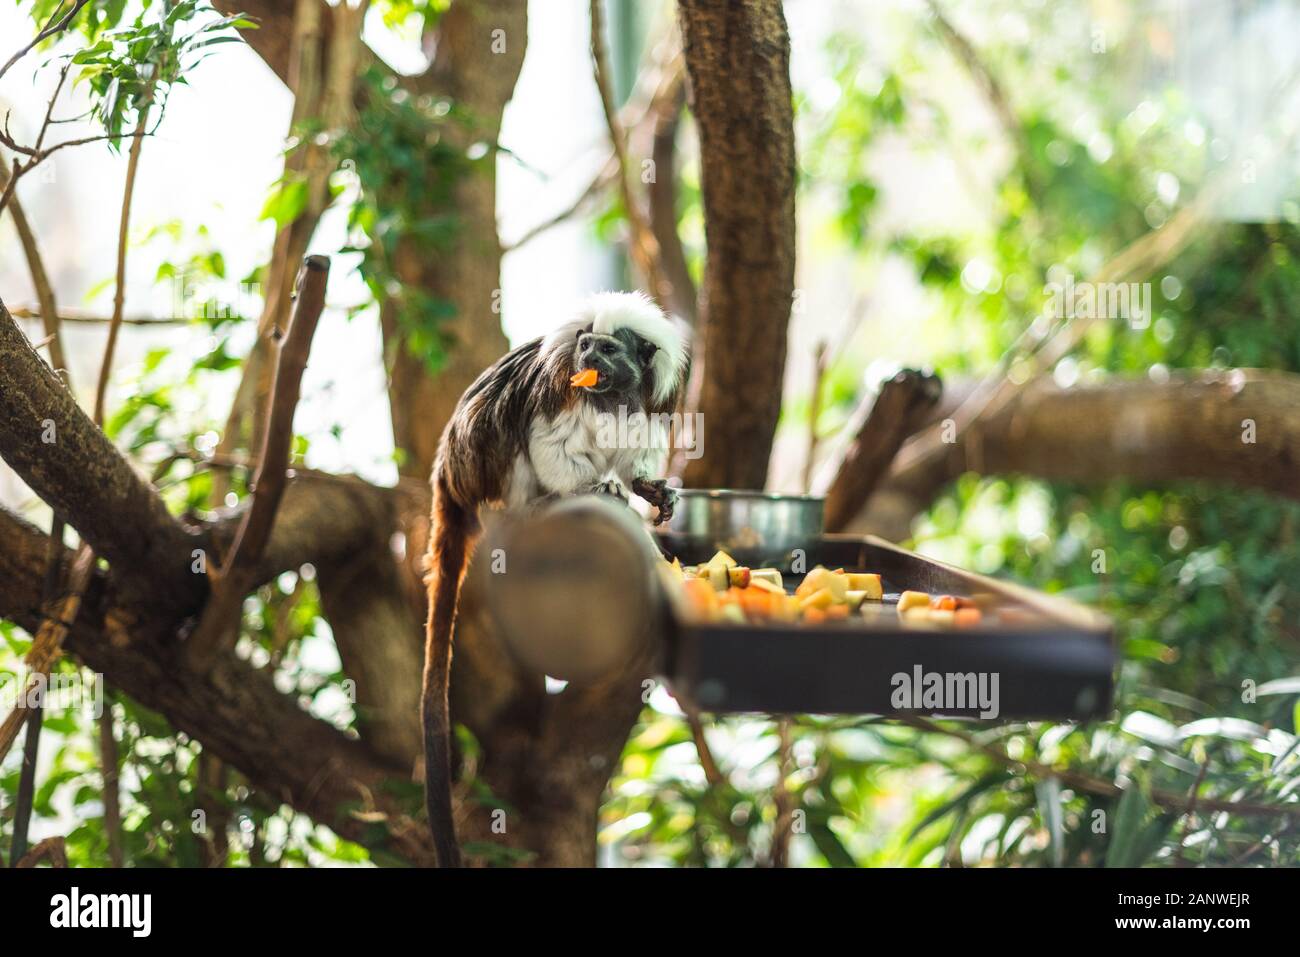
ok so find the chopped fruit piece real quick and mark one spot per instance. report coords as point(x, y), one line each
point(756, 602)
point(820, 578)
point(913, 599)
point(733, 613)
point(822, 599)
point(721, 590)
point(700, 597)
point(584, 379)
point(870, 585)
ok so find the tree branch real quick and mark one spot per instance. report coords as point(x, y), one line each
point(235, 710)
point(119, 285)
point(51, 849)
point(40, 279)
point(52, 28)
point(642, 245)
point(52, 445)
point(881, 431)
point(667, 113)
point(1238, 427)
point(236, 575)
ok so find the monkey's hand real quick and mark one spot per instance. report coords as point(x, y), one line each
point(612, 488)
point(659, 494)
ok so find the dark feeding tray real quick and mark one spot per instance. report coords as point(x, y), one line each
point(1050, 658)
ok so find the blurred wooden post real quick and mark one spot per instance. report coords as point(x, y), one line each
point(573, 589)
point(880, 431)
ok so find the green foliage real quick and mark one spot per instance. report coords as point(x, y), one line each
point(129, 68)
point(406, 157)
point(1198, 578)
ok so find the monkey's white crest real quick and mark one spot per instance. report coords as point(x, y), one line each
point(608, 311)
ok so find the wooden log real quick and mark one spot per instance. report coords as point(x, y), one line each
point(573, 590)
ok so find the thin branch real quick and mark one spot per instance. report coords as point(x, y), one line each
point(644, 106)
point(84, 318)
point(50, 30)
point(108, 763)
point(124, 220)
point(269, 481)
point(236, 575)
point(603, 180)
point(642, 245)
point(47, 646)
point(31, 746)
point(783, 826)
point(993, 91)
point(37, 155)
point(712, 773)
point(40, 282)
point(49, 109)
point(51, 849)
point(820, 366)
point(666, 112)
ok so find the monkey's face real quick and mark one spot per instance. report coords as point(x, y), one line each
point(620, 361)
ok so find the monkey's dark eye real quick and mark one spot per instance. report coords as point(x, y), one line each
point(608, 348)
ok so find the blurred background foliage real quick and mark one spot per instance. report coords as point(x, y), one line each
point(1201, 580)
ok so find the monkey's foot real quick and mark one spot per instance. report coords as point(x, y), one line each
point(659, 494)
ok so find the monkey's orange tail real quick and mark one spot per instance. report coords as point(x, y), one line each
point(454, 528)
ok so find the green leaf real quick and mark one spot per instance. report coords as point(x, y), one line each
point(286, 203)
point(1049, 809)
point(1130, 819)
point(829, 844)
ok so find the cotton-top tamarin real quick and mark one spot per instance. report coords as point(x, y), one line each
point(530, 428)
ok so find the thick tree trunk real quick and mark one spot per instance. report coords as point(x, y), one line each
point(738, 60)
point(480, 51)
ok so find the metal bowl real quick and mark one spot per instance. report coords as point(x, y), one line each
point(756, 528)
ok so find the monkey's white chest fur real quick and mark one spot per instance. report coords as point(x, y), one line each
point(579, 449)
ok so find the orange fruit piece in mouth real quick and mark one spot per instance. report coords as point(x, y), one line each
point(584, 379)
